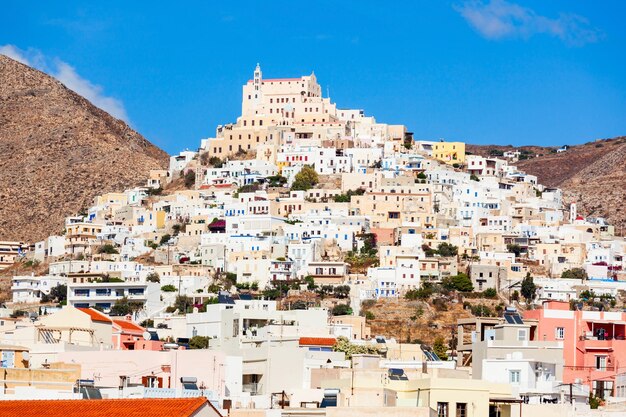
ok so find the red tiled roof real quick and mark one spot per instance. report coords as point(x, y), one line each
point(96, 315)
point(128, 326)
point(139, 407)
point(317, 341)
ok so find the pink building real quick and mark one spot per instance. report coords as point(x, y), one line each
point(594, 343)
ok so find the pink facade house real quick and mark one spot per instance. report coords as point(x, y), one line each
point(594, 343)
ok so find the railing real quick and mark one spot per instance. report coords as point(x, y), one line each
point(602, 338)
point(254, 388)
point(608, 368)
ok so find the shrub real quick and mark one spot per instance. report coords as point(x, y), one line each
point(215, 162)
point(107, 249)
point(369, 315)
point(190, 178)
point(460, 282)
point(147, 323)
point(440, 349)
point(153, 277)
point(440, 304)
point(529, 289)
point(423, 293)
point(514, 248)
point(481, 310)
point(123, 307)
point(168, 288)
point(575, 273)
point(490, 293)
point(342, 310)
point(164, 239)
point(446, 249)
point(306, 179)
point(199, 342)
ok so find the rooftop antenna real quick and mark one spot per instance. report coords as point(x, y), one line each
point(327, 92)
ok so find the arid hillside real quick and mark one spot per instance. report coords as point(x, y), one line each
point(592, 175)
point(58, 151)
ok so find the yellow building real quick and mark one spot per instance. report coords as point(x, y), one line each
point(449, 152)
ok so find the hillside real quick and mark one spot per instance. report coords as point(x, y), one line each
point(592, 175)
point(58, 151)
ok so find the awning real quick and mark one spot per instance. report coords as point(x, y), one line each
point(506, 400)
point(598, 321)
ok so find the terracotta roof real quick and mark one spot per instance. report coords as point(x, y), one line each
point(96, 315)
point(128, 326)
point(317, 341)
point(139, 407)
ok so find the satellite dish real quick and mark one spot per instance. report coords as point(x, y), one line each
point(147, 336)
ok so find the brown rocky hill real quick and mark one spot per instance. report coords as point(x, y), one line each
point(592, 174)
point(58, 151)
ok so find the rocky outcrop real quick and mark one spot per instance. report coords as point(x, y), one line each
point(58, 151)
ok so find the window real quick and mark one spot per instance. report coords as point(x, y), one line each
point(514, 376)
point(442, 409)
point(601, 363)
point(560, 333)
point(461, 409)
point(521, 334)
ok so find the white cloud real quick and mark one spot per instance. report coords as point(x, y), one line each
point(66, 74)
point(499, 19)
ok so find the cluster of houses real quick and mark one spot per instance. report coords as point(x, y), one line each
point(383, 215)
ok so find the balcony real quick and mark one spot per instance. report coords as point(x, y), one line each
point(254, 388)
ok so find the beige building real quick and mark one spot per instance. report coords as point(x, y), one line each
point(292, 111)
point(9, 252)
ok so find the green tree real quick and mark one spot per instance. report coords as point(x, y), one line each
point(446, 249)
point(190, 178)
point(421, 176)
point(123, 306)
point(276, 181)
point(306, 179)
point(215, 162)
point(460, 282)
point(147, 323)
point(341, 291)
point(490, 293)
point(514, 248)
point(529, 289)
point(473, 177)
point(164, 239)
point(231, 277)
point(481, 310)
point(310, 283)
point(342, 310)
point(575, 273)
point(199, 342)
point(57, 294)
point(183, 304)
point(515, 295)
point(440, 348)
point(423, 293)
point(153, 277)
point(168, 288)
point(107, 249)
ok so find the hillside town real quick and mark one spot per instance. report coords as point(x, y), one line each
point(310, 260)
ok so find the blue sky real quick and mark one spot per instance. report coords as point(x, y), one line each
point(503, 72)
